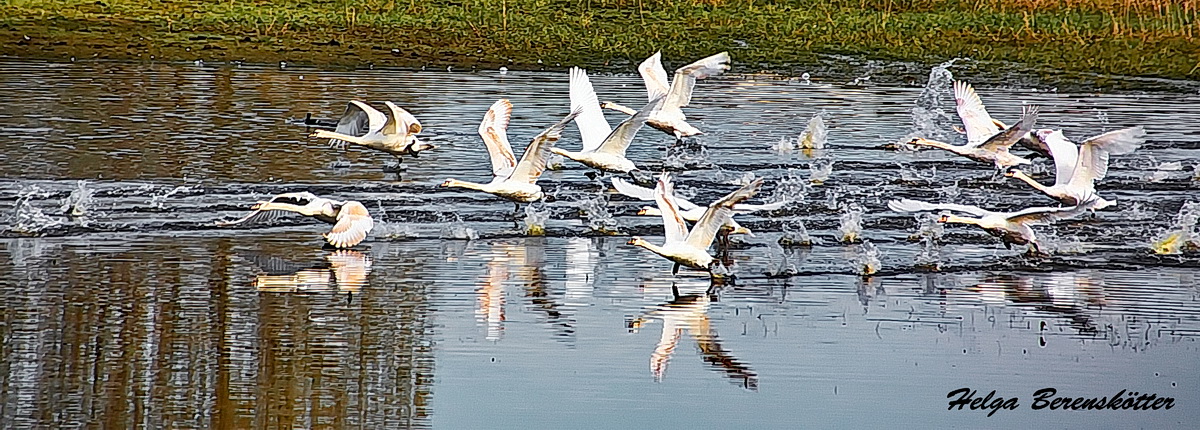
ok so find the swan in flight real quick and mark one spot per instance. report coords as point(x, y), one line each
point(1078, 168)
point(350, 219)
point(688, 210)
point(1013, 228)
point(669, 118)
point(979, 125)
point(992, 149)
point(603, 147)
point(690, 248)
point(512, 179)
point(366, 126)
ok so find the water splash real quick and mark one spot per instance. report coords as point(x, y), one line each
point(158, 201)
point(1182, 237)
point(688, 155)
point(599, 219)
point(866, 263)
point(536, 215)
point(390, 230)
point(555, 162)
point(819, 170)
point(784, 145)
point(1196, 172)
point(795, 234)
point(1053, 243)
point(949, 192)
point(778, 262)
point(850, 229)
point(911, 175)
point(929, 234)
point(930, 120)
point(29, 219)
point(79, 203)
point(455, 228)
point(814, 136)
point(792, 188)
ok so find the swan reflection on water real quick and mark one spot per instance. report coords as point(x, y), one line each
point(520, 262)
point(342, 271)
point(690, 312)
point(1069, 294)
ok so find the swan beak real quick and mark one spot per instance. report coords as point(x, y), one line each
point(944, 218)
point(447, 183)
point(641, 212)
point(1010, 173)
point(743, 230)
point(633, 241)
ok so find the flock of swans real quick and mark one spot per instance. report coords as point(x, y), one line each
point(603, 148)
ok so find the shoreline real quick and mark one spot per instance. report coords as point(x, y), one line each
point(832, 39)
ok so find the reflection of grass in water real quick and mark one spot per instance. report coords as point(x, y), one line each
point(1143, 37)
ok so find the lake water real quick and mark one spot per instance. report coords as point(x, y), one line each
point(142, 313)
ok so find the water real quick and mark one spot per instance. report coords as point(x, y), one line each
point(449, 315)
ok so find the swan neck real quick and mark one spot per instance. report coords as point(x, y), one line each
point(961, 220)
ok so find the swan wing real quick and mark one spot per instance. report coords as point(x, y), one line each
point(718, 214)
point(910, 205)
point(1003, 140)
point(1093, 154)
point(494, 131)
point(593, 128)
point(674, 227)
point(647, 194)
point(743, 208)
point(406, 121)
point(533, 161)
point(353, 224)
point(358, 120)
point(618, 141)
point(655, 76)
point(976, 120)
point(279, 205)
point(1065, 154)
point(1042, 215)
point(686, 76)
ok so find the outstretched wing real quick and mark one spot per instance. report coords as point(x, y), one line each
point(593, 128)
point(647, 194)
point(718, 214)
point(1042, 215)
point(910, 205)
point(742, 208)
point(622, 136)
point(299, 199)
point(976, 121)
point(401, 122)
point(674, 228)
point(1093, 156)
point(1003, 140)
point(358, 120)
point(533, 161)
point(1065, 154)
point(655, 76)
point(494, 131)
point(353, 224)
point(686, 76)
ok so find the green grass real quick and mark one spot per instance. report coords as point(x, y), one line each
point(1136, 37)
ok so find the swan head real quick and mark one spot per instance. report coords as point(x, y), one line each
point(417, 146)
point(450, 183)
point(1011, 172)
point(918, 141)
point(944, 218)
point(636, 241)
point(742, 230)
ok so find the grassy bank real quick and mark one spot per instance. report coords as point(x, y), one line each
point(1136, 37)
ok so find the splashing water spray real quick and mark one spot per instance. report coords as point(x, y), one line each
point(929, 233)
point(850, 230)
point(819, 170)
point(795, 234)
point(1183, 236)
point(536, 215)
point(929, 119)
point(867, 261)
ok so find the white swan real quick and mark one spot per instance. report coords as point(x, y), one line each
point(690, 248)
point(992, 149)
point(1013, 228)
point(1078, 168)
point(347, 271)
point(979, 125)
point(688, 210)
point(678, 94)
point(363, 125)
point(350, 219)
point(603, 148)
point(513, 180)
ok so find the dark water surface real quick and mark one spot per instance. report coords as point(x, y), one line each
point(141, 313)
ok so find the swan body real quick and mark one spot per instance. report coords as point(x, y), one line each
point(603, 148)
point(1013, 228)
point(690, 248)
point(1078, 168)
point(511, 179)
point(993, 149)
point(678, 93)
point(350, 219)
point(363, 125)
